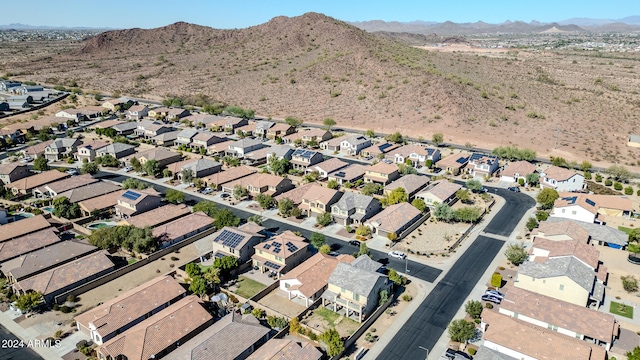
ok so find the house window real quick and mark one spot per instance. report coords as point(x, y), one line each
point(573, 212)
point(342, 290)
point(561, 287)
point(287, 285)
point(356, 297)
point(260, 252)
point(563, 210)
point(278, 258)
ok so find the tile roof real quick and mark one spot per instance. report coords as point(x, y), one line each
point(34, 181)
point(571, 267)
point(521, 168)
point(251, 227)
point(454, 161)
point(26, 243)
point(597, 232)
point(37, 148)
point(219, 238)
point(279, 150)
point(6, 169)
point(442, 190)
point(572, 229)
point(115, 148)
point(143, 194)
point(558, 173)
point(52, 255)
point(279, 127)
point(221, 146)
point(395, 217)
point(382, 168)
point(592, 323)
point(204, 136)
point(350, 172)
point(137, 108)
point(296, 194)
point(381, 148)
point(245, 143)
point(182, 226)
point(126, 126)
point(160, 331)
point(411, 183)
point(592, 202)
point(22, 227)
point(107, 124)
point(545, 248)
point(314, 272)
point(93, 145)
point(284, 245)
point(156, 154)
point(366, 263)
point(351, 200)
point(355, 140)
point(541, 343)
point(335, 141)
point(226, 176)
point(227, 339)
point(351, 278)
point(67, 274)
point(330, 165)
point(187, 133)
point(167, 136)
point(320, 194)
point(89, 191)
point(101, 202)
point(258, 180)
point(176, 167)
point(157, 216)
point(68, 184)
point(131, 305)
point(286, 349)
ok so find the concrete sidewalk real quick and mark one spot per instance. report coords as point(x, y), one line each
point(29, 337)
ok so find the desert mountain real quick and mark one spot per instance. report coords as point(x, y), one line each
point(313, 67)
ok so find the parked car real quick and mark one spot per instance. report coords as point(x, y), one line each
point(355, 243)
point(207, 190)
point(398, 254)
point(514, 188)
point(224, 195)
point(26, 159)
point(72, 172)
point(128, 168)
point(455, 354)
point(491, 298)
point(334, 254)
point(495, 293)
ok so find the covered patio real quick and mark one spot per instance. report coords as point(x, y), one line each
point(344, 307)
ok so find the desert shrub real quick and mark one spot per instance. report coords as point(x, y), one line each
point(608, 182)
point(629, 283)
point(488, 305)
point(617, 186)
point(628, 190)
point(65, 309)
point(407, 297)
point(496, 280)
point(472, 351)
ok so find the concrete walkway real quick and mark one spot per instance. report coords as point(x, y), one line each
point(29, 337)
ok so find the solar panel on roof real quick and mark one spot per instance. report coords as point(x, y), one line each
point(590, 202)
point(131, 195)
point(276, 250)
point(476, 156)
point(340, 174)
point(462, 160)
point(384, 146)
point(230, 239)
point(267, 246)
point(291, 247)
point(219, 255)
point(269, 264)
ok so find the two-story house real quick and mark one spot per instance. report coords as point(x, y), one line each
point(204, 139)
point(281, 253)
point(381, 173)
point(142, 125)
point(115, 104)
point(185, 137)
point(354, 208)
point(117, 150)
point(481, 165)
point(453, 164)
point(318, 200)
point(175, 114)
point(163, 156)
point(561, 179)
point(317, 135)
point(199, 168)
point(241, 147)
point(415, 155)
point(279, 130)
point(261, 128)
point(354, 144)
point(591, 208)
point(354, 292)
point(394, 219)
point(230, 241)
point(153, 130)
point(125, 128)
point(326, 167)
point(514, 171)
point(116, 316)
point(60, 148)
point(348, 174)
point(301, 159)
point(378, 150)
point(88, 150)
point(13, 171)
point(133, 202)
point(280, 152)
point(260, 183)
point(137, 112)
point(232, 123)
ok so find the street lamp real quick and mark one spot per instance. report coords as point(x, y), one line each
point(425, 349)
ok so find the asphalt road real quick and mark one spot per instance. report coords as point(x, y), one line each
point(506, 220)
point(9, 351)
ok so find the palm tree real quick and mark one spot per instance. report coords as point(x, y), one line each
point(212, 277)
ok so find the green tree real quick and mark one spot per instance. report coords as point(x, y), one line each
point(187, 175)
point(334, 343)
point(324, 219)
point(468, 214)
point(296, 212)
point(634, 354)
point(317, 240)
point(370, 133)
point(371, 189)
point(463, 195)
point(328, 123)
point(585, 166)
point(63, 208)
point(293, 122)
point(473, 308)
point(443, 212)
point(364, 250)
point(473, 185)
point(255, 219)
point(284, 207)
point(29, 300)
point(279, 166)
point(226, 264)
point(383, 297)
point(547, 197)
point(396, 196)
point(265, 201)
point(532, 223)
point(461, 330)
point(208, 207)
point(532, 179)
point(193, 270)
point(239, 192)
point(516, 254)
point(135, 164)
point(166, 173)
point(437, 139)
point(333, 184)
point(559, 161)
point(43, 134)
point(41, 164)
point(224, 218)
point(152, 167)
point(619, 173)
point(109, 160)
point(90, 168)
point(363, 230)
point(174, 196)
point(395, 137)
point(396, 278)
point(294, 325)
point(324, 249)
point(258, 313)
point(132, 183)
point(419, 204)
point(198, 286)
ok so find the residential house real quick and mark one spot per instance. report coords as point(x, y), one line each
point(204, 139)
point(279, 130)
point(453, 164)
point(202, 120)
point(561, 230)
point(514, 171)
point(333, 144)
point(354, 144)
point(519, 339)
point(219, 179)
point(220, 148)
point(318, 199)
point(317, 135)
point(100, 203)
point(394, 219)
point(348, 174)
point(65, 277)
point(633, 140)
point(20, 245)
point(13, 137)
point(247, 130)
point(232, 123)
point(175, 114)
point(308, 280)
point(596, 233)
point(414, 155)
point(281, 253)
point(53, 189)
point(199, 167)
point(326, 167)
point(137, 112)
point(575, 321)
point(302, 159)
point(17, 104)
point(143, 125)
point(25, 89)
point(44, 259)
point(377, 150)
point(88, 150)
point(23, 227)
point(261, 128)
point(133, 202)
point(163, 156)
point(186, 136)
point(481, 165)
point(280, 152)
point(441, 192)
point(260, 183)
point(7, 85)
point(591, 208)
point(257, 157)
point(381, 173)
point(153, 130)
point(115, 104)
point(59, 148)
point(234, 242)
point(81, 114)
point(354, 292)
point(89, 191)
point(166, 139)
point(13, 171)
point(354, 208)
point(279, 349)
point(158, 335)
point(26, 185)
point(240, 147)
point(561, 179)
point(158, 113)
point(156, 217)
point(117, 150)
point(105, 124)
point(182, 228)
point(544, 249)
point(295, 194)
point(125, 128)
point(116, 316)
point(411, 183)
point(234, 337)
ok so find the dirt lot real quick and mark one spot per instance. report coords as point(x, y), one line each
point(277, 300)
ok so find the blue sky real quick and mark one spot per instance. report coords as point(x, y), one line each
point(243, 13)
